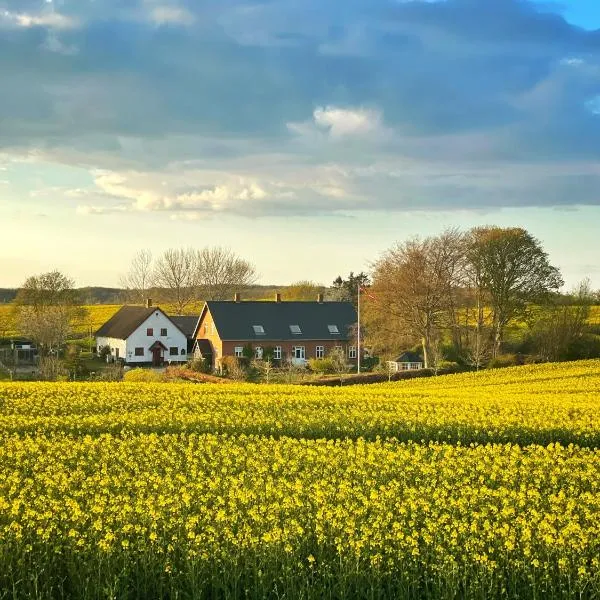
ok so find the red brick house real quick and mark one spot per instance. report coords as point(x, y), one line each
point(295, 331)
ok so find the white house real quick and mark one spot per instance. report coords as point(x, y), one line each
point(140, 335)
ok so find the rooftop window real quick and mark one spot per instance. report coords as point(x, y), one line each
point(258, 329)
point(295, 329)
point(333, 328)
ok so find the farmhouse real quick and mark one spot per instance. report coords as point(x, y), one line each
point(294, 331)
point(139, 335)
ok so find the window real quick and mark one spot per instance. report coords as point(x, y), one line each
point(163, 332)
point(173, 351)
point(139, 352)
point(258, 352)
point(149, 331)
point(238, 351)
point(320, 351)
point(352, 352)
point(183, 352)
point(299, 352)
point(295, 329)
point(277, 353)
point(333, 328)
point(258, 329)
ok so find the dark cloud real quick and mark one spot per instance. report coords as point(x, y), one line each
point(150, 83)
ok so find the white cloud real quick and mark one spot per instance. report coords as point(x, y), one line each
point(50, 19)
point(341, 123)
point(174, 15)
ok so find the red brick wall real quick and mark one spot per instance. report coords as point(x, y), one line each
point(286, 347)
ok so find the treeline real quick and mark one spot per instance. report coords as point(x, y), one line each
point(458, 295)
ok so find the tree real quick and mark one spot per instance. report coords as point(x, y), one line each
point(303, 291)
point(220, 273)
point(339, 364)
point(138, 279)
point(561, 326)
point(346, 290)
point(47, 307)
point(413, 294)
point(513, 270)
point(176, 272)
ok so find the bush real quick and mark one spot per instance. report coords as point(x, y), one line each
point(369, 363)
point(143, 376)
point(321, 365)
point(506, 360)
point(200, 365)
point(235, 367)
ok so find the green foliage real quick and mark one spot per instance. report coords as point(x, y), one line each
point(321, 365)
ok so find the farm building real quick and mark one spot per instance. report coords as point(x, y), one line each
point(294, 331)
point(138, 335)
point(407, 361)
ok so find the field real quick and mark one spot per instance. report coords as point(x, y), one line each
point(468, 486)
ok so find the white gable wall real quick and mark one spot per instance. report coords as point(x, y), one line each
point(140, 339)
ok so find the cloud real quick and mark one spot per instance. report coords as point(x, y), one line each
point(278, 108)
point(48, 19)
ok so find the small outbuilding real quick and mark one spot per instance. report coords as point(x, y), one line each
point(407, 361)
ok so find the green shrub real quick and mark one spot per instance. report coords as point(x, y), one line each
point(506, 360)
point(143, 376)
point(321, 365)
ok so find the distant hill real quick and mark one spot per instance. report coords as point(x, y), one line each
point(105, 295)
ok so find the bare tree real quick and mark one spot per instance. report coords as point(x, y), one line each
point(413, 293)
point(47, 308)
point(339, 364)
point(514, 270)
point(220, 273)
point(176, 272)
point(138, 279)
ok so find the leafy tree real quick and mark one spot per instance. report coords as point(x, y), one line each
point(303, 291)
point(513, 270)
point(346, 290)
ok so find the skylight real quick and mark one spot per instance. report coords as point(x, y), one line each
point(333, 328)
point(295, 329)
point(258, 329)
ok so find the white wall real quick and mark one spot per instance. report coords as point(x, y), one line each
point(139, 339)
point(113, 343)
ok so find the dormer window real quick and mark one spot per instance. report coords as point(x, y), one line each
point(258, 329)
point(295, 329)
point(333, 328)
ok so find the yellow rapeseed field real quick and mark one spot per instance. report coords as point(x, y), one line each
point(470, 486)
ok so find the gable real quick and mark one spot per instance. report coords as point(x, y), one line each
point(128, 319)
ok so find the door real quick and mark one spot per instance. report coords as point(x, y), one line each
point(299, 355)
point(157, 359)
point(116, 354)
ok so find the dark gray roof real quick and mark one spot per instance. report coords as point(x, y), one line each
point(235, 320)
point(126, 320)
point(409, 356)
point(186, 324)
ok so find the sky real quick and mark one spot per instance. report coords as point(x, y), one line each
point(307, 135)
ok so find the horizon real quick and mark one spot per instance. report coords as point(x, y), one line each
point(307, 139)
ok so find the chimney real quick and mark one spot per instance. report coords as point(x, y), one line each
point(237, 297)
point(277, 297)
point(320, 298)
point(148, 302)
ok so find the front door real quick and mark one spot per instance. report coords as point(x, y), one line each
point(157, 359)
point(299, 355)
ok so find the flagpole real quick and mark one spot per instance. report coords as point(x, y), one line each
point(358, 334)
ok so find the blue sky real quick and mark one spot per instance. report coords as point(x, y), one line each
point(307, 135)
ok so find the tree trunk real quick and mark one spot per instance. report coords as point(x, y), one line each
point(425, 344)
